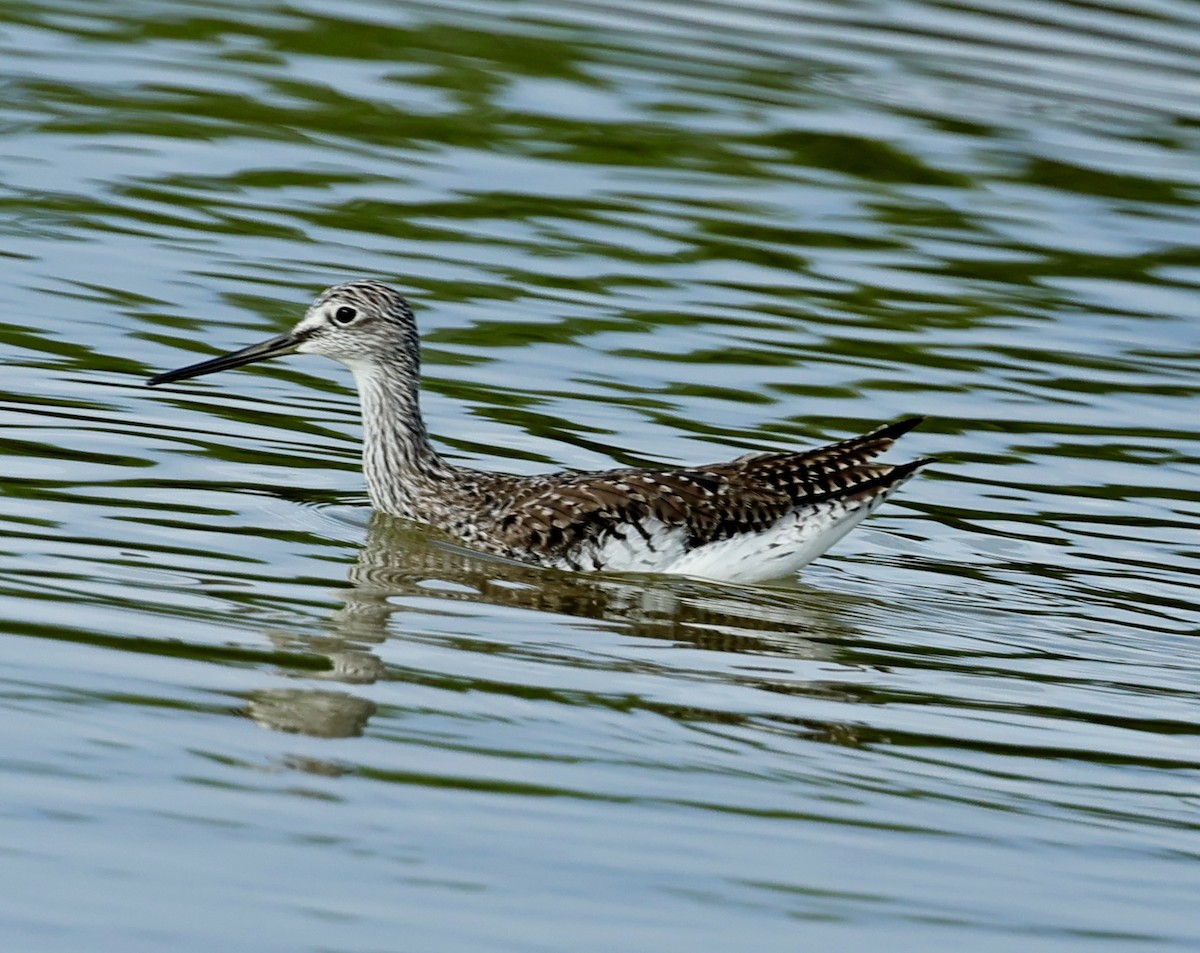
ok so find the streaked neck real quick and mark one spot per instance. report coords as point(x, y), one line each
point(401, 467)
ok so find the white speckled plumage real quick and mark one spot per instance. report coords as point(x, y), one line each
point(761, 516)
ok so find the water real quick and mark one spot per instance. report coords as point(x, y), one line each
point(240, 713)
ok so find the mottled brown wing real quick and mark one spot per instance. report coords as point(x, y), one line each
point(799, 480)
point(578, 508)
point(714, 502)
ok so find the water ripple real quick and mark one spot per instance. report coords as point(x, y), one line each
point(635, 233)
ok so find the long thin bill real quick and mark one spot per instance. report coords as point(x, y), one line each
point(284, 344)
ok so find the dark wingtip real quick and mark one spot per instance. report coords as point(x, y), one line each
point(899, 428)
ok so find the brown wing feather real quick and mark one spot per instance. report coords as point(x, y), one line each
point(590, 506)
point(750, 494)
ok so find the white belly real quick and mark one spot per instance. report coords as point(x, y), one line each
point(782, 549)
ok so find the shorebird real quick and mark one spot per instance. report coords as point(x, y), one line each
point(759, 517)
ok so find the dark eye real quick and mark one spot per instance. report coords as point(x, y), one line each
point(345, 314)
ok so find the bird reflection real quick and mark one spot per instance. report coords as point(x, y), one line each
point(321, 714)
point(400, 560)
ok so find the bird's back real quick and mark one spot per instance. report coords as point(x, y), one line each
point(757, 517)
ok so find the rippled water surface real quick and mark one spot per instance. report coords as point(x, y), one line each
point(241, 712)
